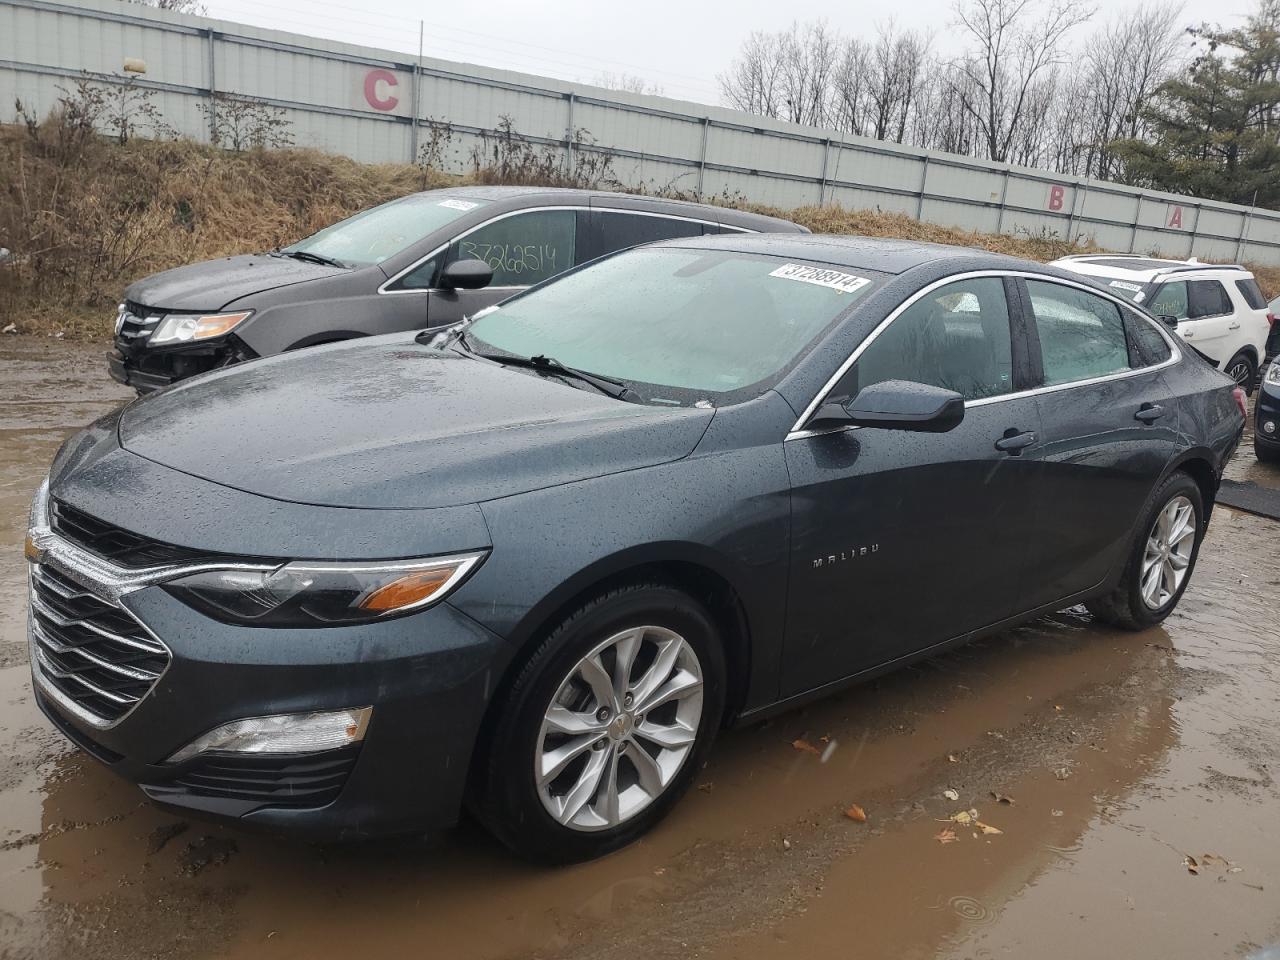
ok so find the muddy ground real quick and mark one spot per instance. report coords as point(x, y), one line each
point(1121, 757)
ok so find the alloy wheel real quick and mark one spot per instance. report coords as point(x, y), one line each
point(1242, 373)
point(1168, 554)
point(619, 728)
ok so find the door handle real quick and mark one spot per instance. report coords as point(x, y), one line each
point(1149, 413)
point(1015, 441)
point(1234, 326)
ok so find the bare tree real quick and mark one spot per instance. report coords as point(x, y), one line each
point(1013, 56)
point(178, 6)
point(628, 83)
point(753, 81)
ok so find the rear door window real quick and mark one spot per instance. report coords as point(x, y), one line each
point(523, 249)
point(1206, 298)
point(609, 231)
point(1248, 288)
point(1146, 346)
point(1082, 335)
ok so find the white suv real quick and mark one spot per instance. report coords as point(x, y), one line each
point(1217, 310)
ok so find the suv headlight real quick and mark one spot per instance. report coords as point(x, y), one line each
point(183, 328)
point(308, 593)
point(1272, 376)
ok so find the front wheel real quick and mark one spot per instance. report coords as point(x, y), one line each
point(1161, 560)
point(605, 726)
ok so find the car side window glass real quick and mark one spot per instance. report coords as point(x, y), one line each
point(1146, 346)
point(1207, 298)
point(421, 277)
point(955, 337)
point(1081, 334)
point(613, 231)
point(1248, 288)
point(523, 249)
point(1170, 300)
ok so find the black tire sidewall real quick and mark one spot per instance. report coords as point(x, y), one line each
point(1251, 383)
point(515, 811)
point(1179, 484)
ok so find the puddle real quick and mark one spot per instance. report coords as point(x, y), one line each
point(1123, 753)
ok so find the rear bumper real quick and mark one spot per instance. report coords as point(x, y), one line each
point(428, 678)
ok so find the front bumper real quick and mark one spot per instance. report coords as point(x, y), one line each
point(1267, 409)
point(427, 676)
point(135, 365)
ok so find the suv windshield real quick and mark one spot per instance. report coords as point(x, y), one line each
point(677, 325)
point(1129, 289)
point(383, 231)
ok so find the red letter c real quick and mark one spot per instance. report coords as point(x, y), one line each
point(371, 81)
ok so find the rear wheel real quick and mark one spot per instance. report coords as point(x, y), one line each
point(1161, 561)
point(1243, 371)
point(605, 726)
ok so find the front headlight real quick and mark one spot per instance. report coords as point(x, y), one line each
point(183, 328)
point(1273, 373)
point(307, 593)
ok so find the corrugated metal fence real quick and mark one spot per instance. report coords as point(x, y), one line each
point(381, 106)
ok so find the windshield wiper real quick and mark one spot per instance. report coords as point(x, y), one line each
point(309, 257)
point(613, 388)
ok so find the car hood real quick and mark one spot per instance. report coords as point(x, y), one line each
point(387, 423)
point(213, 284)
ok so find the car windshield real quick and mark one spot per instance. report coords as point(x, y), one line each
point(678, 325)
point(383, 231)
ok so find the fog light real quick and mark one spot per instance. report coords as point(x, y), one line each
point(1269, 427)
point(283, 733)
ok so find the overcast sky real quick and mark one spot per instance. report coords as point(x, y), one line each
point(680, 45)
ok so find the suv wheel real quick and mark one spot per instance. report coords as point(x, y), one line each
point(1243, 371)
point(1161, 560)
point(605, 726)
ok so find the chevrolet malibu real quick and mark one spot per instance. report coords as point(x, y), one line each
point(532, 566)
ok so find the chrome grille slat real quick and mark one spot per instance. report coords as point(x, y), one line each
point(145, 645)
point(81, 657)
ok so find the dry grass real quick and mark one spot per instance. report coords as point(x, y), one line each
point(84, 217)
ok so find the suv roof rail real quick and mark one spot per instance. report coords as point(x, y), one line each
point(1205, 266)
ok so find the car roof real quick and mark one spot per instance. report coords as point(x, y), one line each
point(573, 195)
point(1139, 268)
point(868, 253)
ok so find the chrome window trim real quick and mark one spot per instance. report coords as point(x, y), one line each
point(798, 431)
point(382, 289)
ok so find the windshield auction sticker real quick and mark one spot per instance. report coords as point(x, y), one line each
point(1126, 285)
point(458, 204)
point(843, 282)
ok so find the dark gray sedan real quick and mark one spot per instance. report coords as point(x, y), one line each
point(404, 265)
point(534, 564)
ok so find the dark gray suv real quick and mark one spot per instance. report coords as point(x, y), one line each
point(404, 265)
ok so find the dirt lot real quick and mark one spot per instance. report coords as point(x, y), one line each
point(1123, 755)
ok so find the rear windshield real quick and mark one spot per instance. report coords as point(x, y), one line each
point(383, 231)
point(678, 326)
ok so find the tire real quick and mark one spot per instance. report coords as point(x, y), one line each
point(1266, 454)
point(1126, 606)
point(560, 817)
point(1243, 370)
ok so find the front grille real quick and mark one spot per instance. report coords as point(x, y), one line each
point(139, 322)
point(115, 544)
point(94, 653)
point(283, 780)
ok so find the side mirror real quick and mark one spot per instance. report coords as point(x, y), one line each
point(896, 405)
point(466, 275)
point(1168, 321)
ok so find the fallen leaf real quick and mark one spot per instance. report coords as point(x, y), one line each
point(963, 817)
point(1057, 707)
point(856, 813)
point(1062, 773)
point(804, 746)
point(1055, 813)
point(1212, 859)
point(945, 835)
point(987, 828)
point(952, 758)
point(951, 795)
point(1001, 798)
point(786, 844)
point(825, 738)
point(1193, 868)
